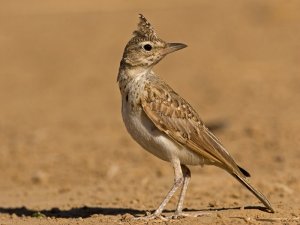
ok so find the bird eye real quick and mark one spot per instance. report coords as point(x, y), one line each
point(147, 47)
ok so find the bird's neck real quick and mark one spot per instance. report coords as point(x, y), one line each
point(128, 73)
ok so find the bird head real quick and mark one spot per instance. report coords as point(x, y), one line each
point(145, 49)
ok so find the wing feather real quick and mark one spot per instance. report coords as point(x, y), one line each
point(174, 116)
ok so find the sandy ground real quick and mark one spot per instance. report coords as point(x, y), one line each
point(65, 156)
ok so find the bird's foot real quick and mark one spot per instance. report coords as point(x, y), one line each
point(152, 216)
point(178, 215)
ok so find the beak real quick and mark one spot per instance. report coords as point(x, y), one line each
point(172, 47)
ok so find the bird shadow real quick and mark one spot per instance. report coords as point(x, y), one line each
point(81, 212)
point(85, 211)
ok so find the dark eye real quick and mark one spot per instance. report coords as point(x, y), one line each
point(147, 47)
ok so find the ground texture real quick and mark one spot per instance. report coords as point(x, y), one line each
point(65, 156)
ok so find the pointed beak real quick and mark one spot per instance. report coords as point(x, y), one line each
point(172, 47)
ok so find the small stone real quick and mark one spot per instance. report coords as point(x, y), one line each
point(38, 215)
point(126, 217)
point(234, 195)
point(13, 216)
point(39, 177)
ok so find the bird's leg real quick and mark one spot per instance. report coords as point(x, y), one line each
point(178, 181)
point(186, 179)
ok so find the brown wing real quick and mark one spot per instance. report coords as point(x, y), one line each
point(174, 116)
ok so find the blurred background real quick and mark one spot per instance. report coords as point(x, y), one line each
point(62, 140)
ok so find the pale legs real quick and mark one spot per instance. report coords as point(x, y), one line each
point(182, 178)
point(186, 179)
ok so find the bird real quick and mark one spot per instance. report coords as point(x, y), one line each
point(164, 123)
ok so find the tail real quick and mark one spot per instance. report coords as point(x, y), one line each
point(259, 195)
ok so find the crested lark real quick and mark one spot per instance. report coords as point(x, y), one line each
point(164, 123)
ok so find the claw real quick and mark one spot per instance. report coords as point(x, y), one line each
point(152, 217)
point(178, 215)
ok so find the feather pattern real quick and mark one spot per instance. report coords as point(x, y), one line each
point(174, 116)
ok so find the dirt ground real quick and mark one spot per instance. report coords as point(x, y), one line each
point(65, 156)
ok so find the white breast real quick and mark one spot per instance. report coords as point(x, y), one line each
point(144, 132)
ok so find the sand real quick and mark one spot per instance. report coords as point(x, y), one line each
point(65, 156)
